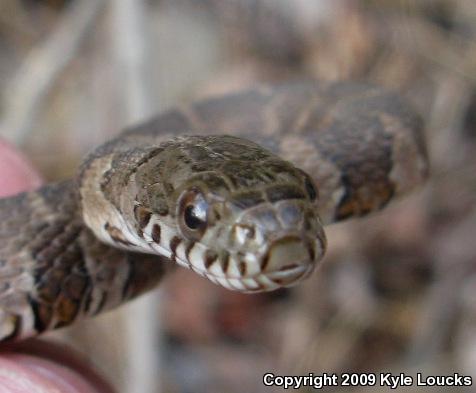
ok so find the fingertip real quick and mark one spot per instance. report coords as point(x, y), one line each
point(15, 379)
point(21, 373)
point(40, 366)
point(16, 174)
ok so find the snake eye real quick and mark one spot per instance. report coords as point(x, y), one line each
point(195, 216)
point(193, 213)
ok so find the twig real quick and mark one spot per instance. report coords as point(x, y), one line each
point(130, 38)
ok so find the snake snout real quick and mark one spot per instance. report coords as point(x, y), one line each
point(289, 259)
point(282, 243)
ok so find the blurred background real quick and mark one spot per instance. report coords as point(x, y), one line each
point(396, 292)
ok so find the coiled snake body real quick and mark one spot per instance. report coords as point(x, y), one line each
point(244, 209)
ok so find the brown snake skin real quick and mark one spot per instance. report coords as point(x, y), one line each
point(223, 206)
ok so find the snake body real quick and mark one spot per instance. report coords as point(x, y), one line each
point(236, 188)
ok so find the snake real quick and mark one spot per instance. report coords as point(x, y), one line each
point(236, 188)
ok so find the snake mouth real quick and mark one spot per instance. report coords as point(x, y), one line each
point(288, 275)
point(262, 282)
point(285, 262)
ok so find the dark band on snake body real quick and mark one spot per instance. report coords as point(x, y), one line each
point(245, 210)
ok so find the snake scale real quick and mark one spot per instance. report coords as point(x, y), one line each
point(236, 188)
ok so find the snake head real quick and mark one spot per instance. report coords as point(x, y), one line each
point(250, 241)
point(238, 215)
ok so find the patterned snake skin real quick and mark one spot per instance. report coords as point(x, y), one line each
point(241, 202)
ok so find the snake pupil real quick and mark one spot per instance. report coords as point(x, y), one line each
point(193, 213)
point(195, 217)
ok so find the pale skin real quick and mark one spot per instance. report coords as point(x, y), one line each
point(39, 366)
